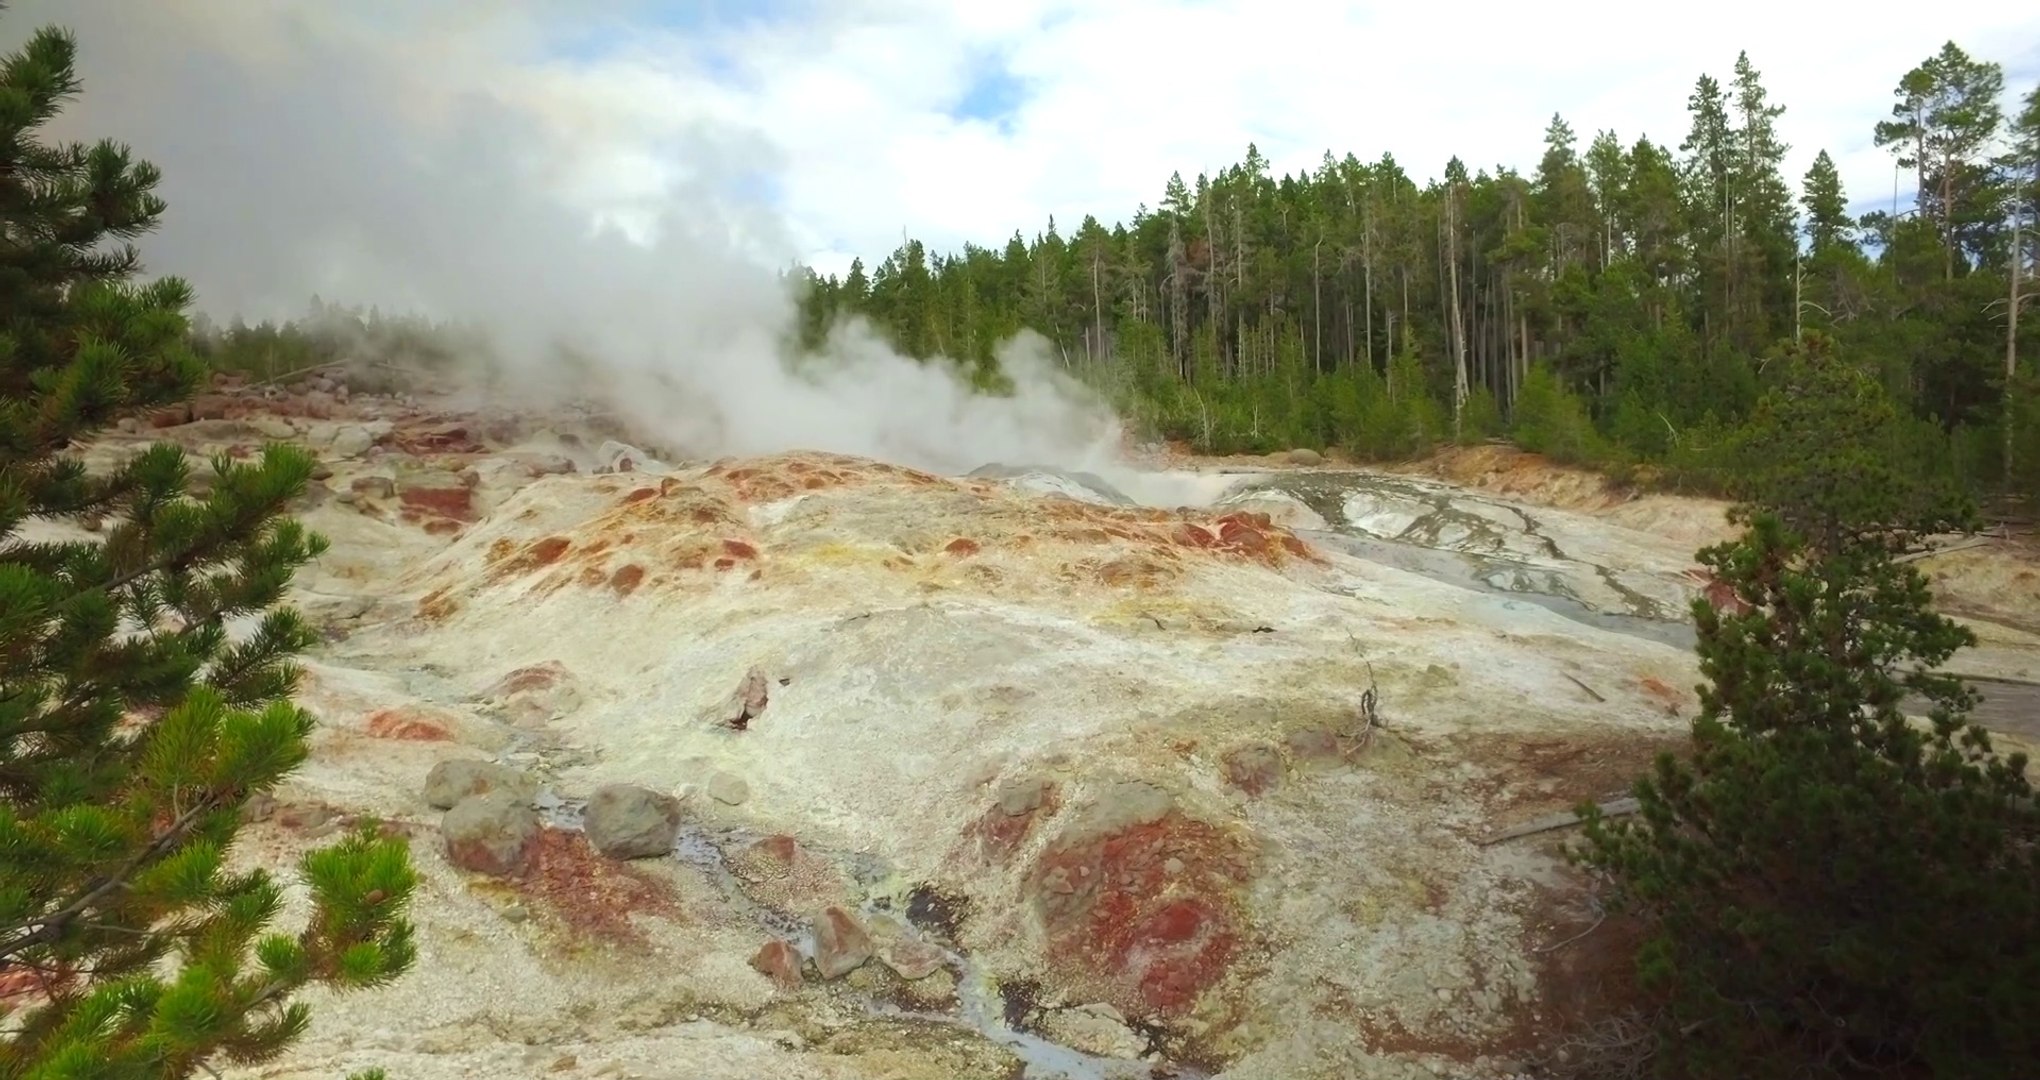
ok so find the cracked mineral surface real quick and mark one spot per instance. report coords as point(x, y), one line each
point(1006, 774)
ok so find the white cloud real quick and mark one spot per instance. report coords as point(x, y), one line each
point(855, 97)
point(1119, 95)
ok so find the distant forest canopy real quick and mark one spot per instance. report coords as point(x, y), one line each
point(1618, 307)
point(1615, 305)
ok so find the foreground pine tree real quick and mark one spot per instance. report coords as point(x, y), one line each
point(1830, 889)
point(143, 674)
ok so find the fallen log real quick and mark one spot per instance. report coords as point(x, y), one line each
point(1913, 556)
point(1621, 807)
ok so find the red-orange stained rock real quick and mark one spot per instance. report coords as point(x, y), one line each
point(548, 551)
point(780, 962)
point(452, 502)
point(531, 677)
point(405, 726)
point(1146, 915)
point(1661, 690)
point(590, 894)
point(778, 847)
point(1243, 536)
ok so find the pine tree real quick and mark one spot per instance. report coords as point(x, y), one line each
point(2023, 161)
point(133, 724)
point(1946, 116)
point(1830, 888)
point(1828, 225)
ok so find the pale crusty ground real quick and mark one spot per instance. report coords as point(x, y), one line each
point(1062, 641)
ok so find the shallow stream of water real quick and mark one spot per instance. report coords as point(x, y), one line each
point(981, 1007)
point(1477, 575)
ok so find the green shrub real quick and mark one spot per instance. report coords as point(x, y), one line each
point(1832, 889)
point(133, 727)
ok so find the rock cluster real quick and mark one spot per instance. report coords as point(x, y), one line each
point(491, 826)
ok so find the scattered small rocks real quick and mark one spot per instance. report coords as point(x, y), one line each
point(450, 782)
point(779, 872)
point(841, 943)
point(535, 465)
point(442, 439)
point(624, 821)
point(491, 833)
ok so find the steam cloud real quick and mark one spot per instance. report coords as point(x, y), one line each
point(403, 155)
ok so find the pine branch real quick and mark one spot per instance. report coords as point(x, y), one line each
point(49, 928)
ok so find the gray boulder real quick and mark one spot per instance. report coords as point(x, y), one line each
point(491, 833)
point(624, 821)
point(353, 440)
point(449, 782)
point(841, 943)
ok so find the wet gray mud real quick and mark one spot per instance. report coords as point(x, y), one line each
point(1476, 544)
point(1453, 537)
point(1048, 480)
point(1478, 574)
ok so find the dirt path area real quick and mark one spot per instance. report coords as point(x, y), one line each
point(2010, 706)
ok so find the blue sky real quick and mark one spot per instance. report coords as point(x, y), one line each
point(993, 95)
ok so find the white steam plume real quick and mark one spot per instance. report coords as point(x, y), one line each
point(416, 156)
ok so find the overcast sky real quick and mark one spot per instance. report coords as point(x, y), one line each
point(304, 141)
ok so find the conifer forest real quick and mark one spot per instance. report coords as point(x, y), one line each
point(1612, 303)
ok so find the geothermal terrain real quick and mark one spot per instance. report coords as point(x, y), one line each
point(1211, 770)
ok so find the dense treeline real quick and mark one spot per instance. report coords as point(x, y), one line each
point(1616, 304)
point(332, 334)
